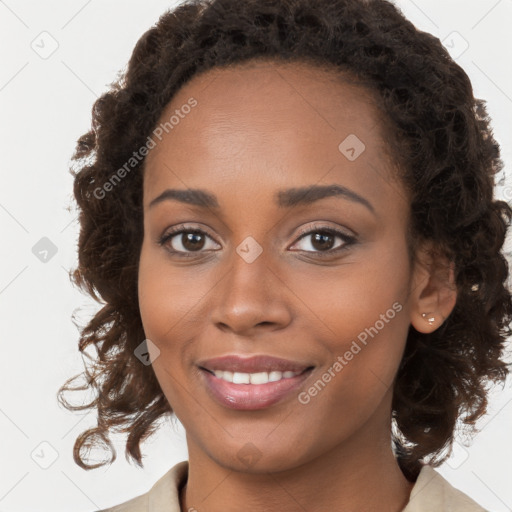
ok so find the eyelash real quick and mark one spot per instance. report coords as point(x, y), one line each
point(177, 230)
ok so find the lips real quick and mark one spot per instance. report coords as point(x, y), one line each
point(245, 394)
point(247, 397)
point(253, 364)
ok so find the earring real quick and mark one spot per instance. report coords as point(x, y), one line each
point(430, 319)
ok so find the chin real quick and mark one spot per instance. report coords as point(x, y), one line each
point(248, 458)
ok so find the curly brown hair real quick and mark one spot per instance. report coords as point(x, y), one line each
point(441, 137)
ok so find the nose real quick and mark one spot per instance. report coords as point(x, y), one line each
point(252, 297)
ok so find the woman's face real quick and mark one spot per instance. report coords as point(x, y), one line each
point(253, 138)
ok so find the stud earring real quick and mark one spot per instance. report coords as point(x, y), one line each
point(430, 319)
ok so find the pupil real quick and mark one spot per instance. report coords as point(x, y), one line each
point(191, 240)
point(321, 238)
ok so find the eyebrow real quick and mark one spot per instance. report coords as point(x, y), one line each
point(288, 198)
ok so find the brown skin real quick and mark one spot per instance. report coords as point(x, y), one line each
point(258, 129)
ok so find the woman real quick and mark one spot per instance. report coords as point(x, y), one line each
point(287, 208)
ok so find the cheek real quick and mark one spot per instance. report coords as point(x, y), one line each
point(360, 311)
point(351, 297)
point(168, 294)
point(164, 301)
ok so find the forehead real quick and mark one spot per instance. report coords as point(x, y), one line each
point(267, 125)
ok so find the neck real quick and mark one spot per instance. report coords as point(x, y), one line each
point(350, 477)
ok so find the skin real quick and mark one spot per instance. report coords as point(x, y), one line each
point(259, 128)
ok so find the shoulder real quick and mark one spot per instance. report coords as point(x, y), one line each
point(432, 492)
point(164, 495)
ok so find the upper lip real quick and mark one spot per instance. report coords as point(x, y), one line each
point(253, 364)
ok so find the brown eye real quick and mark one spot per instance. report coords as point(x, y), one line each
point(322, 241)
point(192, 241)
point(182, 241)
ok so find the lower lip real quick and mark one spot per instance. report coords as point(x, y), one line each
point(252, 396)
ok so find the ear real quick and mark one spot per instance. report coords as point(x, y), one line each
point(433, 293)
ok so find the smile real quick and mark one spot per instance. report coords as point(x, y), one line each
point(252, 391)
point(254, 378)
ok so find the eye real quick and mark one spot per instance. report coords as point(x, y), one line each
point(183, 240)
point(321, 240)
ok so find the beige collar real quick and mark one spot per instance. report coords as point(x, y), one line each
point(431, 493)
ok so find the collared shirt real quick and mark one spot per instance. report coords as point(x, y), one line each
point(431, 493)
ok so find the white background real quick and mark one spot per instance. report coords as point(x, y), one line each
point(45, 106)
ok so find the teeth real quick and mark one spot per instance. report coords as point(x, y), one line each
point(241, 378)
point(253, 378)
point(273, 376)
